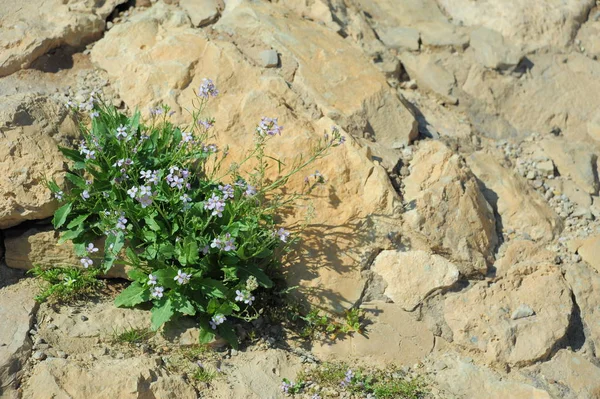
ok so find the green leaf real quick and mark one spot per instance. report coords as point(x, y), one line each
point(70, 235)
point(166, 277)
point(135, 122)
point(183, 306)
point(166, 250)
point(161, 313)
point(137, 275)
point(110, 254)
point(261, 277)
point(226, 331)
point(76, 180)
point(206, 335)
point(133, 295)
point(77, 221)
point(151, 223)
point(71, 154)
point(190, 247)
point(79, 165)
point(60, 216)
point(132, 256)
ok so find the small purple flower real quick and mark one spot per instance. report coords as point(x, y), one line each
point(182, 278)
point(59, 195)
point(90, 155)
point(151, 279)
point(158, 292)
point(132, 192)
point(206, 124)
point(229, 243)
point(282, 234)
point(250, 191)
point(85, 194)
point(187, 137)
point(145, 190)
point(122, 223)
point(244, 296)
point(268, 127)
point(207, 89)
point(216, 205)
point(216, 320)
point(156, 111)
point(86, 262)
point(216, 243)
point(227, 191)
point(91, 248)
point(145, 200)
point(205, 250)
point(94, 114)
point(121, 132)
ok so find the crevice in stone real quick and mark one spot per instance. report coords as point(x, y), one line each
point(575, 336)
point(119, 9)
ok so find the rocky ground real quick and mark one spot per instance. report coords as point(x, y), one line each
point(463, 214)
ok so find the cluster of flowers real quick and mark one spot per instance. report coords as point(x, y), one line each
point(87, 106)
point(268, 127)
point(86, 261)
point(181, 278)
point(348, 379)
point(216, 203)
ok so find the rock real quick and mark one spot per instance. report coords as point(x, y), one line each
point(585, 283)
point(105, 378)
point(575, 160)
point(411, 276)
point(536, 25)
point(521, 312)
point(38, 355)
point(31, 29)
point(400, 38)
point(466, 379)
point(394, 337)
point(520, 208)
point(39, 246)
point(573, 371)
point(440, 34)
point(31, 127)
point(589, 250)
point(545, 167)
point(431, 75)
point(447, 209)
point(201, 12)
point(491, 51)
point(269, 59)
point(480, 317)
point(17, 312)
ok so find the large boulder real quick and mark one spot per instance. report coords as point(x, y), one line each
point(169, 58)
point(572, 370)
point(17, 312)
point(515, 320)
point(520, 208)
point(536, 24)
point(32, 28)
point(31, 126)
point(585, 283)
point(447, 209)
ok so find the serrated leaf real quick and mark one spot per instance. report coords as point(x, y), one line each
point(77, 221)
point(71, 154)
point(133, 295)
point(76, 180)
point(70, 235)
point(161, 313)
point(60, 216)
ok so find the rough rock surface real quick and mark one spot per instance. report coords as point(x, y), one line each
point(411, 276)
point(32, 28)
point(31, 126)
point(585, 284)
point(488, 327)
point(446, 207)
point(574, 371)
point(17, 311)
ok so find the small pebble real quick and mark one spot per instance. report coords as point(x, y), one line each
point(38, 355)
point(61, 354)
point(84, 318)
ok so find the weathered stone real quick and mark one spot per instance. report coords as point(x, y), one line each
point(431, 75)
point(269, 58)
point(439, 34)
point(105, 378)
point(394, 336)
point(31, 126)
point(400, 38)
point(39, 246)
point(585, 283)
point(589, 250)
point(522, 311)
point(480, 317)
point(466, 379)
point(201, 12)
point(491, 51)
point(575, 160)
point(30, 29)
point(447, 209)
point(17, 312)
point(574, 371)
point(520, 208)
point(411, 276)
point(536, 24)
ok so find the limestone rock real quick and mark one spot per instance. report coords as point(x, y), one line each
point(574, 371)
point(394, 336)
point(585, 284)
point(537, 24)
point(575, 160)
point(31, 126)
point(491, 50)
point(480, 317)
point(104, 379)
point(411, 276)
point(521, 254)
point(519, 207)
point(447, 209)
point(431, 75)
point(201, 12)
point(269, 58)
point(29, 29)
point(17, 312)
point(39, 246)
point(400, 38)
point(466, 379)
point(590, 252)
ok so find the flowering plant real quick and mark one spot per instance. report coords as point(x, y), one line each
point(197, 242)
